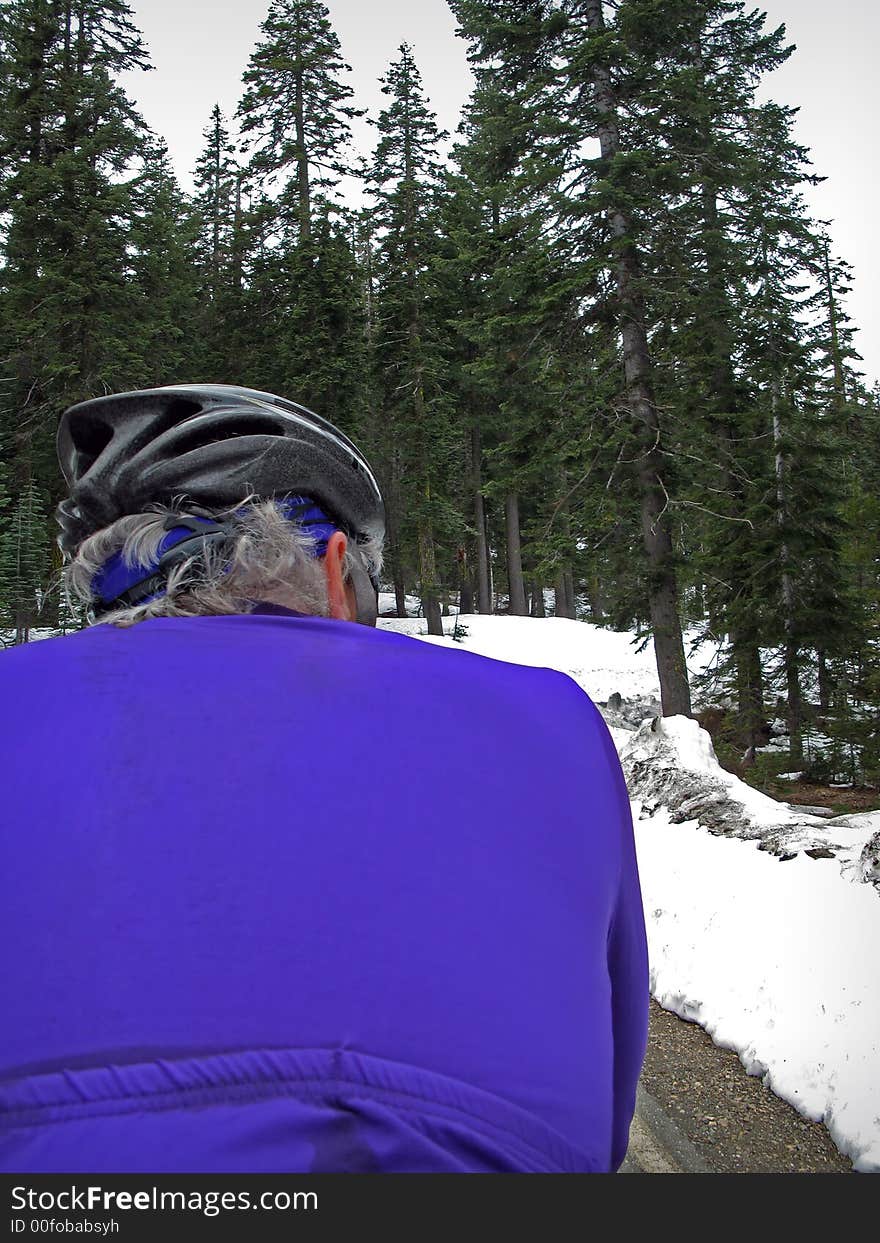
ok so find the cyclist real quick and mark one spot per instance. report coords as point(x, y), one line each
point(282, 892)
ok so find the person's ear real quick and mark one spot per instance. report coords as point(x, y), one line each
point(338, 598)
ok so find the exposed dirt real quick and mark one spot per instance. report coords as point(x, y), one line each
point(844, 801)
point(736, 1124)
point(803, 793)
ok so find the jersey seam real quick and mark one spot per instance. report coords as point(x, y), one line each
point(219, 1094)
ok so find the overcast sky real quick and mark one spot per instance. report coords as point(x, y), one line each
point(200, 50)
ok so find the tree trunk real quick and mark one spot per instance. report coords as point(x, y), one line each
point(399, 593)
point(562, 591)
point(792, 674)
point(565, 582)
point(465, 587)
point(825, 685)
point(656, 535)
point(484, 589)
point(570, 595)
point(302, 155)
point(538, 609)
point(516, 588)
point(836, 357)
point(392, 507)
point(237, 239)
point(750, 692)
point(597, 603)
point(369, 292)
point(430, 595)
point(215, 210)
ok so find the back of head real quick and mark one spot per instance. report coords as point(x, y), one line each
point(192, 498)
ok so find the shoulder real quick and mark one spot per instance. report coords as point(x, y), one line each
point(523, 699)
point(25, 658)
point(458, 662)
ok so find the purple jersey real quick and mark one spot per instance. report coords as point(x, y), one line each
point(289, 894)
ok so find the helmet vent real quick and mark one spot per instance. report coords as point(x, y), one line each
point(178, 410)
point(91, 439)
point(201, 437)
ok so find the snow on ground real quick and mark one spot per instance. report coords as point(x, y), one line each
point(776, 958)
point(670, 765)
point(601, 661)
point(777, 961)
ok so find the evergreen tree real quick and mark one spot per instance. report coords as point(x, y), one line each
point(532, 354)
point(250, 322)
point(296, 280)
point(405, 180)
point(296, 323)
point(562, 62)
point(68, 136)
point(324, 346)
point(24, 557)
point(216, 182)
point(460, 280)
point(162, 276)
point(853, 690)
point(296, 104)
point(705, 60)
point(219, 254)
point(69, 133)
point(4, 523)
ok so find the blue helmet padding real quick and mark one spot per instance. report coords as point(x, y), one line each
point(116, 578)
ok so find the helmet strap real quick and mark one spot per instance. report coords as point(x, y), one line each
point(365, 591)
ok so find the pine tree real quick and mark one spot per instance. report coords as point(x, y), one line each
point(296, 104)
point(4, 522)
point(561, 63)
point(704, 60)
point(216, 181)
point(405, 182)
point(69, 136)
point(460, 280)
point(24, 554)
point(162, 276)
point(811, 610)
point(219, 253)
point(532, 354)
point(854, 691)
point(494, 255)
point(296, 296)
point(638, 364)
point(763, 390)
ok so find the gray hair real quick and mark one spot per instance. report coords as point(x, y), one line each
point(267, 557)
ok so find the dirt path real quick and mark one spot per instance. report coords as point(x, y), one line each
point(699, 1111)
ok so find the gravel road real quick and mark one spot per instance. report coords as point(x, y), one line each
point(699, 1112)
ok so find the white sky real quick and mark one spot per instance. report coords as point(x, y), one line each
point(200, 50)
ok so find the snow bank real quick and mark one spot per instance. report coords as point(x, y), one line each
point(603, 662)
point(777, 961)
point(670, 764)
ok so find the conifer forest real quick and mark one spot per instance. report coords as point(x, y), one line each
point(594, 344)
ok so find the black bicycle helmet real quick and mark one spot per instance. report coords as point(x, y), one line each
point(213, 444)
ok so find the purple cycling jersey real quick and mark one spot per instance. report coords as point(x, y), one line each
point(282, 893)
